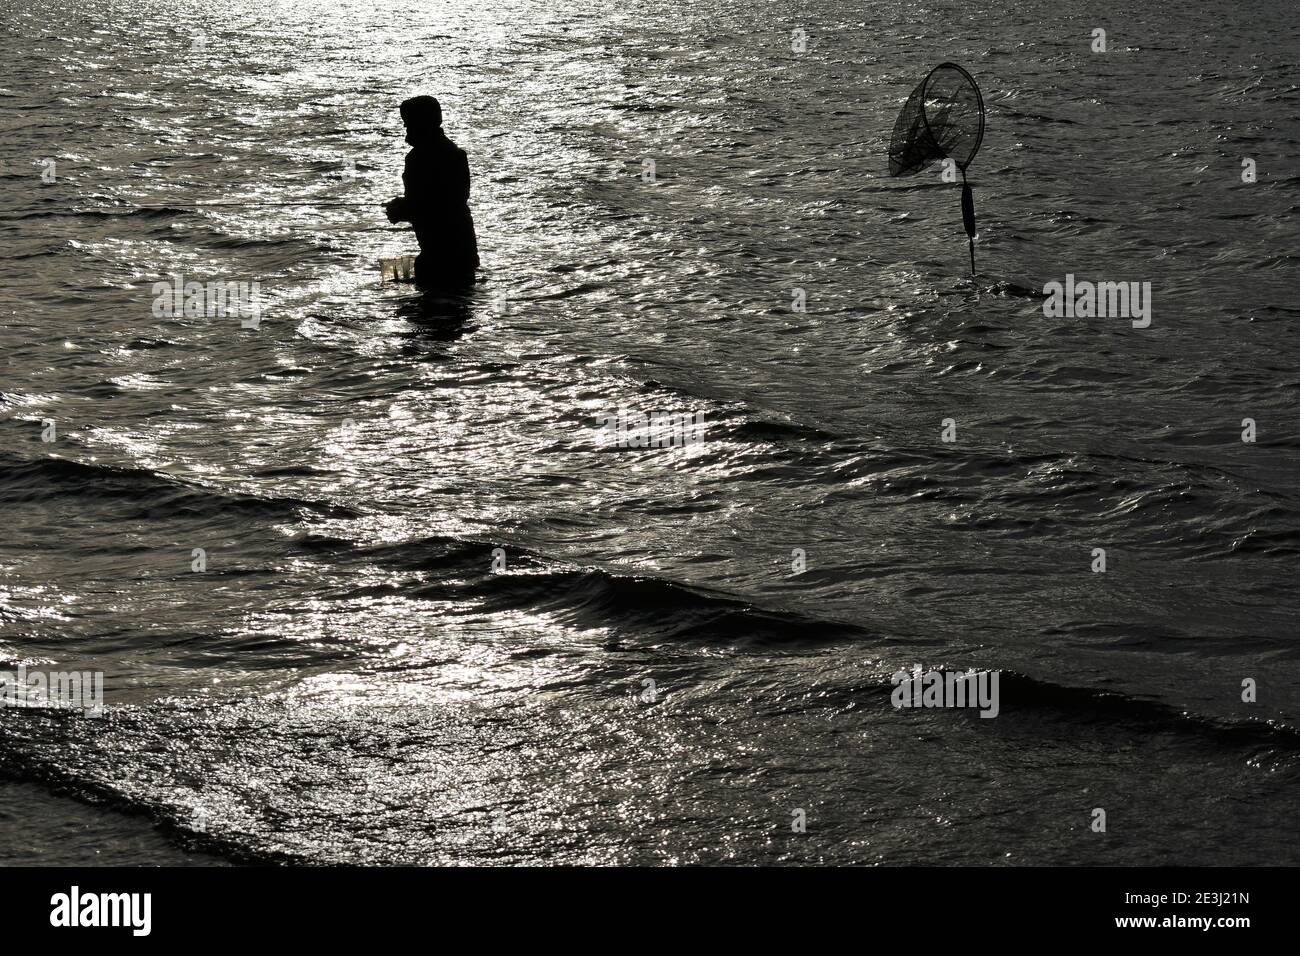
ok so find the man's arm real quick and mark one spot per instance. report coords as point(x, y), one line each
point(401, 208)
point(462, 175)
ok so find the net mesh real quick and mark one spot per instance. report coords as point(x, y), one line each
point(942, 119)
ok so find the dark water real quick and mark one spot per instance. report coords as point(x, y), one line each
point(349, 680)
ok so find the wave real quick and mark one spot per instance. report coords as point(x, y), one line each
point(143, 212)
point(164, 760)
point(632, 608)
point(53, 477)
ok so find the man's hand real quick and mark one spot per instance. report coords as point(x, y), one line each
point(395, 209)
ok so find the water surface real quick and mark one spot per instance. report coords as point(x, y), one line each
point(350, 679)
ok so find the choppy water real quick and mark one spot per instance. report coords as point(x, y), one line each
point(349, 680)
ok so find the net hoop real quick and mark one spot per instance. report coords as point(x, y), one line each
point(979, 99)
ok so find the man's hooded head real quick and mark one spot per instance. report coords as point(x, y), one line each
point(422, 115)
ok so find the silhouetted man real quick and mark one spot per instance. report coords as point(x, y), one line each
point(436, 203)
